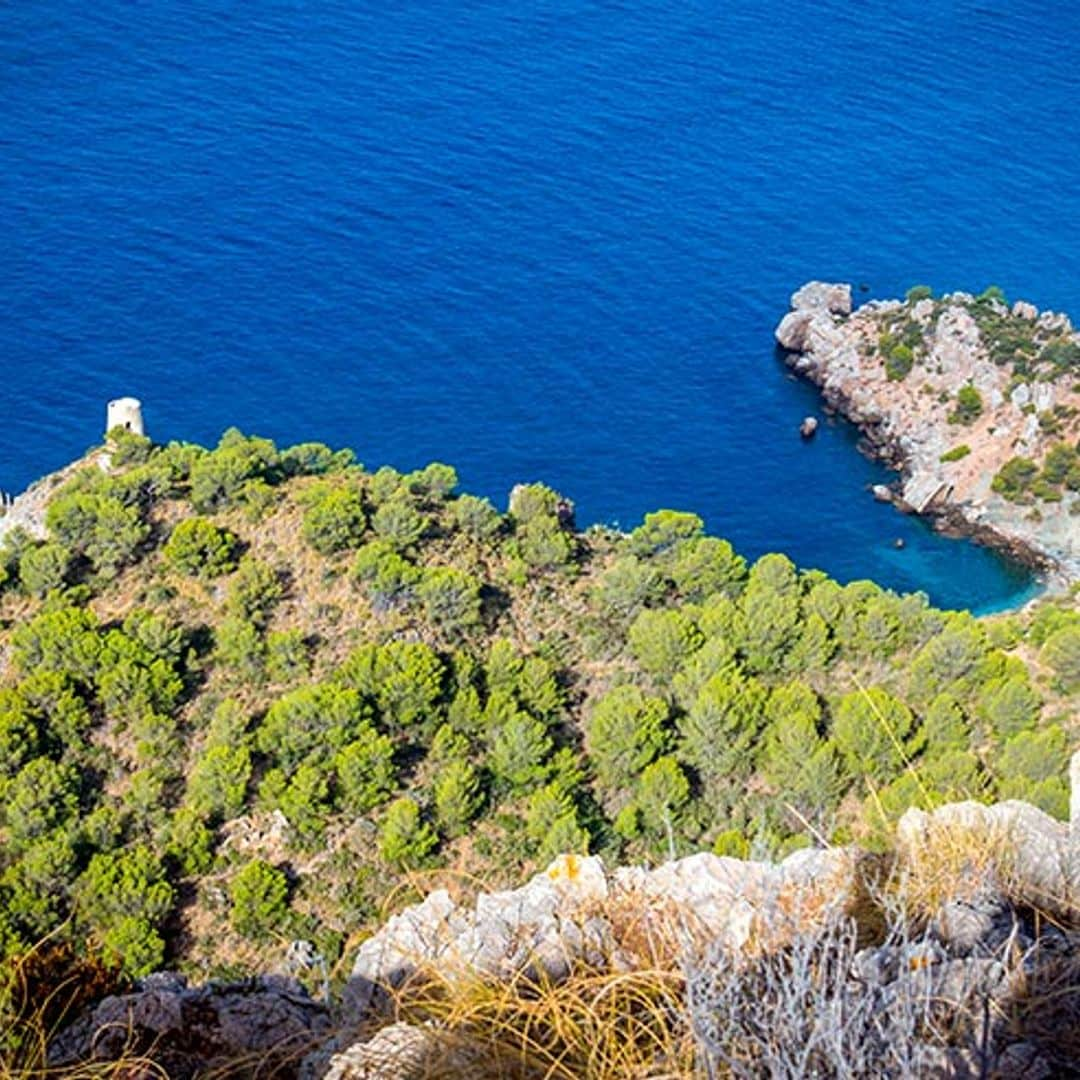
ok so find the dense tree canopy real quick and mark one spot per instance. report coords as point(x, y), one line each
point(245, 689)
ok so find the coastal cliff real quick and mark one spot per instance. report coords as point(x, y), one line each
point(975, 402)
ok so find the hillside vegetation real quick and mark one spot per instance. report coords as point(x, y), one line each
point(245, 691)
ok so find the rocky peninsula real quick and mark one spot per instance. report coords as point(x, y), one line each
point(976, 403)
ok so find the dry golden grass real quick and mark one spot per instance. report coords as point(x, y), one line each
point(590, 1026)
point(954, 862)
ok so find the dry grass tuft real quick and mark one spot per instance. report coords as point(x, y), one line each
point(955, 862)
point(40, 991)
point(590, 1026)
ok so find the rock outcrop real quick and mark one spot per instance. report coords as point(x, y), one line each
point(27, 511)
point(896, 369)
point(270, 1022)
point(565, 916)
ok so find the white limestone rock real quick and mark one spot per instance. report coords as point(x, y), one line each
point(833, 297)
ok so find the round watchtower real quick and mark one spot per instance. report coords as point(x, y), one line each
point(126, 413)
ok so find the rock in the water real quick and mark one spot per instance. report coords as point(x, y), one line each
point(833, 297)
point(882, 493)
point(808, 427)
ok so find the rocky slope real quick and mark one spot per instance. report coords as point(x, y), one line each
point(904, 372)
point(996, 887)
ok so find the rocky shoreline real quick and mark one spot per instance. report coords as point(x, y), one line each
point(952, 392)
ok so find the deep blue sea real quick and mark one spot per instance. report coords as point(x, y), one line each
point(538, 241)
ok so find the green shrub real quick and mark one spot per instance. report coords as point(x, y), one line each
point(101, 527)
point(663, 530)
point(199, 548)
point(44, 568)
point(1014, 478)
point(918, 292)
point(405, 840)
point(476, 517)
point(365, 771)
point(254, 591)
point(451, 598)
point(259, 895)
point(128, 448)
point(219, 478)
point(315, 459)
point(334, 519)
point(389, 578)
point(956, 453)
point(898, 362)
point(399, 522)
point(458, 797)
point(969, 406)
point(528, 501)
point(435, 481)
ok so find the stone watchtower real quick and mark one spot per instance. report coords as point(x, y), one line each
point(126, 413)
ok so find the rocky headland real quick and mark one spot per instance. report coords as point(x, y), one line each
point(976, 403)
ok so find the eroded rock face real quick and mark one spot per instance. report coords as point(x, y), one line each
point(832, 297)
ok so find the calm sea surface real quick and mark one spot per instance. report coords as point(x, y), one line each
point(538, 241)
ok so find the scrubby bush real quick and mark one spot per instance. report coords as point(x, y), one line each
point(957, 453)
point(334, 519)
point(405, 840)
point(254, 591)
point(389, 579)
point(259, 897)
point(451, 598)
point(100, 527)
point(399, 522)
point(969, 406)
point(898, 362)
point(1014, 478)
point(199, 548)
point(476, 517)
point(44, 568)
point(222, 477)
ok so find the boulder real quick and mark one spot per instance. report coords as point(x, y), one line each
point(396, 1052)
point(792, 331)
point(189, 1029)
point(417, 937)
point(921, 310)
point(956, 346)
point(1023, 310)
point(832, 297)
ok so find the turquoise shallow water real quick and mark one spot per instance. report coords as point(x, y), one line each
point(541, 242)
